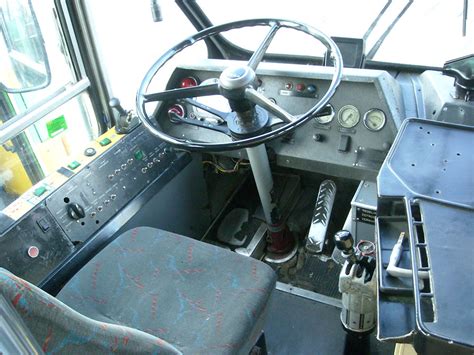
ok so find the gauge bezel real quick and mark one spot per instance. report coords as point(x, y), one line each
point(366, 115)
point(333, 114)
point(343, 109)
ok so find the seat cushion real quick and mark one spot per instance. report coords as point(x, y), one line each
point(198, 297)
point(58, 329)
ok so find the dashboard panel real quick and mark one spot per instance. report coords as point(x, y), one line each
point(93, 198)
point(367, 111)
point(103, 188)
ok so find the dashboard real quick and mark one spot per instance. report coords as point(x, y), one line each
point(367, 110)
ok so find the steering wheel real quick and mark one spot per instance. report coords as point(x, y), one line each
point(249, 124)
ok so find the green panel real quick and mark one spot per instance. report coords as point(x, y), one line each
point(56, 126)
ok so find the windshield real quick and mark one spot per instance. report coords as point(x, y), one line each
point(421, 32)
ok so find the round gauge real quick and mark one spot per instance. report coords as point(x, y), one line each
point(327, 118)
point(348, 116)
point(374, 119)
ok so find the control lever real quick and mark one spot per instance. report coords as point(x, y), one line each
point(345, 243)
point(115, 104)
point(127, 120)
point(357, 285)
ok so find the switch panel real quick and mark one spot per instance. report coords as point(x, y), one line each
point(102, 188)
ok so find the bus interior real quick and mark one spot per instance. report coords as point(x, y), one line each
point(203, 177)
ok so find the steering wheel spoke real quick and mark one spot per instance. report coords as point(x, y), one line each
point(258, 55)
point(175, 118)
point(273, 121)
point(259, 99)
point(183, 93)
point(221, 116)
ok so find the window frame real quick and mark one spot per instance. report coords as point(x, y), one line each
point(69, 15)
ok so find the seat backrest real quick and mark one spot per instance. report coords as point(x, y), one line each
point(60, 329)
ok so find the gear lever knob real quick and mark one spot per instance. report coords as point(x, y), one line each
point(344, 241)
point(115, 103)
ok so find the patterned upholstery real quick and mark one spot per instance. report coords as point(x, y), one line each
point(60, 329)
point(200, 298)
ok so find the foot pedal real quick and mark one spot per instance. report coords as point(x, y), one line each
point(321, 217)
point(230, 229)
point(256, 246)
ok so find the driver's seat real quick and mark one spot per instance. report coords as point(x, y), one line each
point(151, 291)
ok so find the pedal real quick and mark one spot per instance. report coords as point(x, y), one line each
point(321, 217)
point(230, 229)
point(256, 246)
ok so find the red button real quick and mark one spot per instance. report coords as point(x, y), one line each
point(300, 87)
point(33, 252)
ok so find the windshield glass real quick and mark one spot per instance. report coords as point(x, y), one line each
point(421, 32)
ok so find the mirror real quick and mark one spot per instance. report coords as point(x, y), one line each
point(24, 64)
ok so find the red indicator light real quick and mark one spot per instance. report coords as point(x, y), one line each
point(177, 110)
point(300, 87)
point(188, 82)
point(33, 252)
point(288, 86)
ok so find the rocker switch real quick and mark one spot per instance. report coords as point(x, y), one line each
point(344, 143)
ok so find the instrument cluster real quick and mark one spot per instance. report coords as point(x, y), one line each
point(349, 116)
point(355, 133)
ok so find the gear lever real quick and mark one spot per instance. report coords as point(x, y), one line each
point(127, 120)
point(357, 285)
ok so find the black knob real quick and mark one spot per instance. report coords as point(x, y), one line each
point(75, 211)
point(318, 137)
point(115, 104)
point(344, 241)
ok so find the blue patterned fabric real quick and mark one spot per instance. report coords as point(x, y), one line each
point(200, 298)
point(59, 329)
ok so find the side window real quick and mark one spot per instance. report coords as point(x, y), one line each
point(46, 116)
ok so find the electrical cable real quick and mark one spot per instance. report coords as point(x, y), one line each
point(223, 170)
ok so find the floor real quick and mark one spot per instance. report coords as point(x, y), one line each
point(297, 325)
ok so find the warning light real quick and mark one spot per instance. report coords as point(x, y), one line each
point(188, 82)
point(177, 110)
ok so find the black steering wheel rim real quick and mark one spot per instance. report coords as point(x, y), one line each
point(260, 138)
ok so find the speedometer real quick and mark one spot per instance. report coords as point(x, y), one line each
point(374, 119)
point(348, 116)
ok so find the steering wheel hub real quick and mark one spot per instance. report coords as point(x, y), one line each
point(237, 78)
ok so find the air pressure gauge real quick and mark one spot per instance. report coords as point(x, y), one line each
point(348, 116)
point(374, 120)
